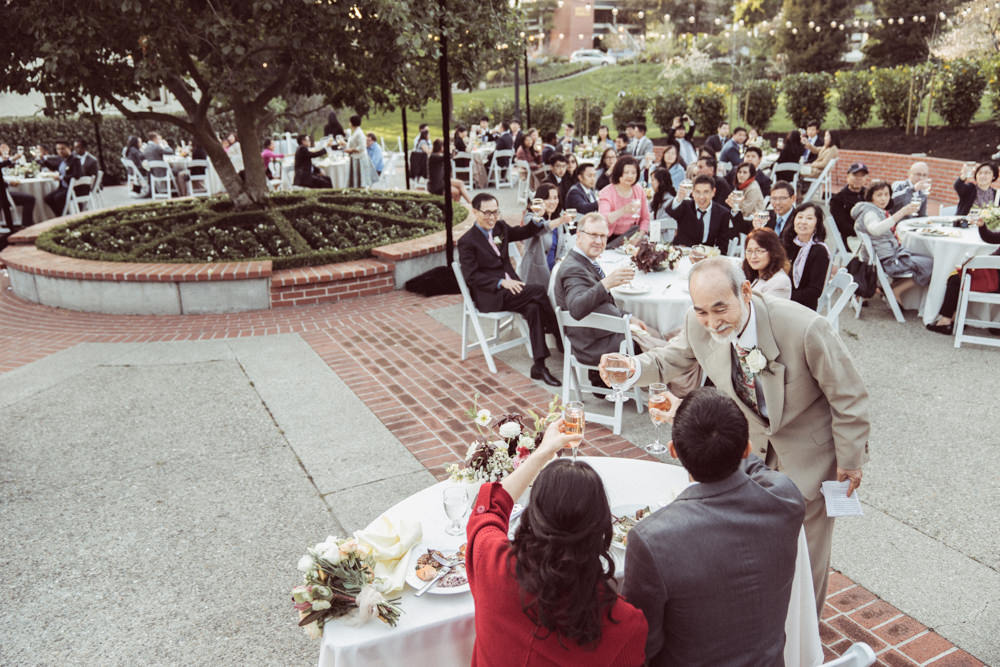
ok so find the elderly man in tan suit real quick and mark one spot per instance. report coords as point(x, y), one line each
point(792, 377)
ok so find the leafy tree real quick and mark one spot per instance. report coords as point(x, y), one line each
point(854, 97)
point(755, 11)
point(758, 102)
point(959, 90)
point(972, 32)
point(815, 47)
point(905, 41)
point(806, 96)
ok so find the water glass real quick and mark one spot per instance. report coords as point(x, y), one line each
point(456, 503)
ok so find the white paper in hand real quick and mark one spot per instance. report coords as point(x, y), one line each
point(837, 501)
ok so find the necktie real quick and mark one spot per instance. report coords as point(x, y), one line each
point(744, 382)
point(704, 227)
point(600, 271)
point(779, 225)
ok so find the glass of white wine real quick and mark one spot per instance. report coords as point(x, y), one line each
point(658, 400)
point(617, 368)
point(574, 422)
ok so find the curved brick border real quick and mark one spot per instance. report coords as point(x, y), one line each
point(224, 287)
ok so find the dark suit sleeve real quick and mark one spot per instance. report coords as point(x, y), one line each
point(476, 279)
point(813, 278)
point(576, 199)
point(644, 588)
point(582, 295)
point(74, 169)
point(776, 483)
point(521, 232)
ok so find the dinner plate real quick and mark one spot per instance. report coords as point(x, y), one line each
point(620, 510)
point(417, 583)
point(635, 288)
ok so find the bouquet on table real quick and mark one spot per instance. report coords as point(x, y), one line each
point(339, 578)
point(990, 216)
point(651, 257)
point(503, 443)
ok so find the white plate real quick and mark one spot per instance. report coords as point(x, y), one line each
point(620, 510)
point(635, 288)
point(417, 583)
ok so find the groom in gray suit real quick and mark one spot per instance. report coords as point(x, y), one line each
point(712, 571)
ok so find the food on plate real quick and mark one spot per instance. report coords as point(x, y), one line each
point(626, 522)
point(427, 567)
point(426, 572)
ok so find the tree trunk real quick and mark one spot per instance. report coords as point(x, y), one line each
point(254, 174)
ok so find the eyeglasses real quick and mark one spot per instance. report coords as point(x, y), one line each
point(491, 214)
point(755, 251)
point(599, 237)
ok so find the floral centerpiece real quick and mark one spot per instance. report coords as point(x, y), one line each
point(26, 170)
point(650, 257)
point(990, 215)
point(339, 578)
point(503, 443)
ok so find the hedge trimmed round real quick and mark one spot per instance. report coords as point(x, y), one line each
point(303, 228)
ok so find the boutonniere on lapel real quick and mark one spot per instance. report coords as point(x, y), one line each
point(757, 362)
point(498, 241)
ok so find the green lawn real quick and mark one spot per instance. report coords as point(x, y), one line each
point(604, 83)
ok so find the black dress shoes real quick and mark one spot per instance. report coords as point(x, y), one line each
point(540, 372)
point(946, 329)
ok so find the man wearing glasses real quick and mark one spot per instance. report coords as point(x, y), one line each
point(485, 259)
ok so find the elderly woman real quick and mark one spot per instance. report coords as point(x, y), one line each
point(604, 167)
point(810, 258)
point(548, 597)
point(825, 153)
point(976, 193)
point(552, 242)
point(623, 202)
point(746, 184)
point(765, 264)
point(872, 217)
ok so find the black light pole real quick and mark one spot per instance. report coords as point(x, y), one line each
point(406, 150)
point(527, 101)
point(446, 130)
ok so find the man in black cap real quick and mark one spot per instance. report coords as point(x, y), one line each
point(842, 202)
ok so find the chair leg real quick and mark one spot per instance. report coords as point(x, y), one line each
point(483, 344)
point(963, 304)
point(567, 378)
point(890, 296)
point(617, 426)
point(465, 328)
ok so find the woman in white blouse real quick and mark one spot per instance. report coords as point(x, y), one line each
point(765, 264)
point(362, 173)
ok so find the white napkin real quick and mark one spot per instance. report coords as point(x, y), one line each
point(390, 544)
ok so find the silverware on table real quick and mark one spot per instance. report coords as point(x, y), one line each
point(430, 584)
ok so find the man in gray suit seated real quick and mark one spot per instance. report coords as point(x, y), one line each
point(916, 186)
point(712, 571)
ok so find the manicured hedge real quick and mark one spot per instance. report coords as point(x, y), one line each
point(298, 229)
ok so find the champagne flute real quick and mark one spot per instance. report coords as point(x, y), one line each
point(760, 219)
point(658, 400)
point(571, 225)
point(635, 203)
point(456, 501)
point(738, 197)
point(573, 422)
point(618, 370)
point(538, 206)
point(698, 253)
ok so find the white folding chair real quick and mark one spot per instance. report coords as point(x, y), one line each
point(500, 174)
point(200, 179)
point(74, 200)
point(668, 229)
point(788, 166)
point(884, 281)
point(843, 282)
point(463, 173)
point(823, 183)
point(841, 255)
point(165, 181)
point(502, 320)
point(135, 179)
point(859, 654)
point(988, 299)
point(15, 216)
point(97, 191)
point(575, 372)
point(736, 246)
point(524, 181)
point(948, 210)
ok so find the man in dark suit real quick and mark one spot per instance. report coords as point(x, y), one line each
point(557, 176)
point(708, 166)
point(717, 562)
point(483, 253)
point(782, 202)
point(25, 201)
point(69, 169)
point(731, 151)
point(700, 220)
point(89, 162)
point(504, 142)
point(45, 159)
point(516, 135)
point(568, 143)
point(548, 146)
point(306, 175)
point(753, 155)
point(715, 142)
point(581, 195)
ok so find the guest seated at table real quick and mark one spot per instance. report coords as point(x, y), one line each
point(533, 157)
point(765, 264)
point(873, 218)
point(791, 152)
point(983, 280)
point(582, 195)
point(621, 144)
point(604, 167)
point(824, 155)
point(976, 192)
point(810, 258)
point(708, 166)
point(571, 164)
point(746, 183)
point(753, 155)
point(916, 187)
point(375, 153)
point(549, 596)
point(732, 151)
point(663, 194)
point(713, 570)
point(852, 193)
point(133, 154)
point(458, 143)
point(268, 155)
point(483, 132)
point(568, 142)
point(670, 159)
point(46, 160)
point(88, 161)
point(333, 128)
point(701, 220)
point(307, 175)
point(423, 142)
point(552, 241)
point(604, 139)
point(22, 199)
point(156, 150)
point(623, 202)
point(435, 175)
point(69, 169)
point(643, 144)
point(559, 174)
point(715, 142)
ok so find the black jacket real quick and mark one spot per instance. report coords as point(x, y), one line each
point(967, 196)
point(813, 275)
point(690, 231)
point(303, 164)
point(483, 269)
point(576, 197)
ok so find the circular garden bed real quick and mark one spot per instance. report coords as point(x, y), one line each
point(303, 228)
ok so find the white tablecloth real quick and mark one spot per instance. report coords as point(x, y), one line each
point(948, 252)
point(337, 168)
point(37, 187)
point(438, 629)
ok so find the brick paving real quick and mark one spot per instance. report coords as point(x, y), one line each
point(403, 364)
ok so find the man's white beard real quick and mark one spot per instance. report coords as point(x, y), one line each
point(730, 337)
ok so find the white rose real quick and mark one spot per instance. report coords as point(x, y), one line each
point(331, 554)
point(756, 361)
point(510, 430)
point(349, 546)
point(483, 417)
point(320, 605)
point(306, 563)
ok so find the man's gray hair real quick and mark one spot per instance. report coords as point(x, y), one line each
point(724, 266)
point(590, 217)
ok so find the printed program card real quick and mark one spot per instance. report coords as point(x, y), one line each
point(837, 501)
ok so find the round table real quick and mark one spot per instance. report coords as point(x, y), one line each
point(336, 168)
point(948, 252)
point(440, 630)
point(37, 187)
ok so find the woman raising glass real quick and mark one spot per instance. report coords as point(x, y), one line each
point(551, 242)
point(746, 196)
point(671, 161)
point(623, 202)
point(810, 258)
point(604, 167)
point(548, 597)
point(765, 264)
point(976, 192)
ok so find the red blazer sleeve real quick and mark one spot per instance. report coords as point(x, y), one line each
point(487, 546)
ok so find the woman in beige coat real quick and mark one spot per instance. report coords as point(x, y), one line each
point(827, 152)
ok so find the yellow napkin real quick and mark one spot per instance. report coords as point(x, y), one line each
point(390, 545)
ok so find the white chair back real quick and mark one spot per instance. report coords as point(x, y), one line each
point(788, 166)
point(830, 308)
point(199, 182)
point(989, 301)
point(841, 255)
point(823, 183)
point(500, 174)
point(857, 655)
point(15, 216)
point(948, 210)
point(502, 321)
point(160, 187)
point(75, 200)
point(463, 173)
point(668, 229)
point(523, 170)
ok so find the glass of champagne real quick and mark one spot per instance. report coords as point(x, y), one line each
point(658, 400)
point(637, 206)
point(738, 197)
point(760, 219)
point(573, 422)
point(538, 206)
point(456, 501)
point(617, 369)
point(571, 225)
point(698, 253)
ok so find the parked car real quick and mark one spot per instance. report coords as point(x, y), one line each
point(592, 57)
point(623, 54)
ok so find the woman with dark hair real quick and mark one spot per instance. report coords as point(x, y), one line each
point(663, 193)
point(552, 240)
point(810, 258)
point(825, 154)
point(333, 128)
point(791, 152)
point(604, 167)
point(435, 175)
point(670, 159)
point(133, 153)
point(548, 597)
point(765, 263)
point(873, 218)
point(362, 172)
point(976, 191)
point(745, 182)
point(983, 280)
point(623, 202)
point(529, 153)
point(604, 139)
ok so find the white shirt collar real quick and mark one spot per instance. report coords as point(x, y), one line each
point(576, 248)
point(748, 339)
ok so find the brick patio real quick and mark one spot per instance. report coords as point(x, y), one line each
point(404, 365)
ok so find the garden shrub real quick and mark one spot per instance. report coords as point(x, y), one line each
point(630, 107)
point(298, 229)
point(892, 92)
point(992, 70)
point(854, 97)
point(758, 102)
point(470, 112)
point(587, 115)
point(959, 90)
point(669, 103)
point(805, 96)
point(547, 113)
point(502, 109)
point(707, 105)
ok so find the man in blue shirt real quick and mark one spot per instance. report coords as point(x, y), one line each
point(375, 153)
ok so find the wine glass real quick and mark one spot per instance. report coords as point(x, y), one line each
point(618, 370)
point(738, 197)
point(698, 253)
point(538, 206)
point(635, 202)
point(573, 422)
point(456, 501)
point(658, 400)
point(760, 219)
point(571, 225)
